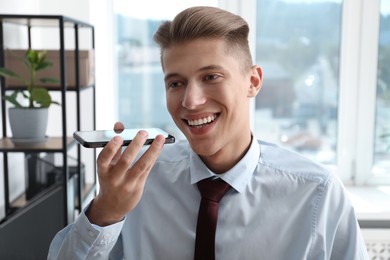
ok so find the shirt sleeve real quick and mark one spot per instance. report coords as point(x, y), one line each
point(338, 233)
point(83, 240)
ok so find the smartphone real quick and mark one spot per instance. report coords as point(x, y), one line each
point(99, 138)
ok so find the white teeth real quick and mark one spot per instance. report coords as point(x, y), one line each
point(201, 121)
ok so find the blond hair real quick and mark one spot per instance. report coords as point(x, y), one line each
point(206, 22)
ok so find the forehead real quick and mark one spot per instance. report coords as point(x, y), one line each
point(196, 54)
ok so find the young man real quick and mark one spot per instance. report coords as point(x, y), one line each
point(279, 204)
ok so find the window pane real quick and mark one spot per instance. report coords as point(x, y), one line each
point(297, 45)
point(382, 127)
point(141, 90)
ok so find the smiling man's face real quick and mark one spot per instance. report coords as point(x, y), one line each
point(208, 96)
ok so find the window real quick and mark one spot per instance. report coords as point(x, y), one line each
point(331, 78)
point(299, 53)
point(382, 122)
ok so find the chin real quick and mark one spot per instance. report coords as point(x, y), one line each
point(203, 148)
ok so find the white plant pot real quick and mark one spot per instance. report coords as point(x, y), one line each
point(28, 123)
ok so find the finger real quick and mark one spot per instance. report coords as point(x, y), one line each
point(109, 152)
point(119, 127)
point(116, 157)
point(131, 151)
point(142, 167)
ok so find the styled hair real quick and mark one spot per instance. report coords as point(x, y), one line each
point(206, 22)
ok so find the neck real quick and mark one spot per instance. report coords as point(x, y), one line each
point(225, 159)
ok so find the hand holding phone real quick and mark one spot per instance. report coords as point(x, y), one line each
point(122, 175)
point(99, 138)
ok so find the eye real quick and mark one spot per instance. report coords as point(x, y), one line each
point(174, 84)
point(209, 77)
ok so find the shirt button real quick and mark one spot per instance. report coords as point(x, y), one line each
point(105, 238)
point(90, 233)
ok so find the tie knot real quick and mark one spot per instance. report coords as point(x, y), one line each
point(212, 189)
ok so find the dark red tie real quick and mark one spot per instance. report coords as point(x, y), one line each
point(212, 192)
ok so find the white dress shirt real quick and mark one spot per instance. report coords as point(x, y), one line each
point(282, 206)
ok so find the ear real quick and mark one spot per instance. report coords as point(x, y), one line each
point(256, 81)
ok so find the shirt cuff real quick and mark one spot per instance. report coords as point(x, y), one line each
point(94, 234)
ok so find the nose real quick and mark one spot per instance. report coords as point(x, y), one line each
point(194, 96)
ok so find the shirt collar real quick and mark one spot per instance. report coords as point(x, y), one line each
point(237, 177)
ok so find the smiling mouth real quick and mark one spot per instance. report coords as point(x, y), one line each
point(202, 121)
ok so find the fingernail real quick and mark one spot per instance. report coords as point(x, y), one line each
point(160, 139)
point(143, 133)
point(117, 139)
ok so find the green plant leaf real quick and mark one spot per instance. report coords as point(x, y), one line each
point(10, 74)
point(37, 97)
point(41, 56)
point(49, 80)
point(37, 59)
point(41, 96)
point(12, 99)
point(43, 65)
point(33, 56)
point(27, 62)
point(25, 95)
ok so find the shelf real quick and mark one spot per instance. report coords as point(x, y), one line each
point(51, 88)
point(41, 20)
point(21, 202)
point(53, 144)
point(77, 77)
point(55, 173)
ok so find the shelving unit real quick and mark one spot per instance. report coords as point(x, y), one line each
point(64, 192)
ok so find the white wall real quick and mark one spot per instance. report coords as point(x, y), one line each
point(96, 12)
point(19, 7)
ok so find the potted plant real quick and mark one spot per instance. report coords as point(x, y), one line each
point(29, 114)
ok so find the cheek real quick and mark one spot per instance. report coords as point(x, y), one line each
point(173, 102)
point(239, 100)
point(236, 95)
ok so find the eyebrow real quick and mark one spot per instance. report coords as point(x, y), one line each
point(206, 68)
point(171, 75)
point(211, 67)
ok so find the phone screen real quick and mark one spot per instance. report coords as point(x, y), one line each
point(100, 138)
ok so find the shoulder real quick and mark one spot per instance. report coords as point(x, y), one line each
point(287, 162)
